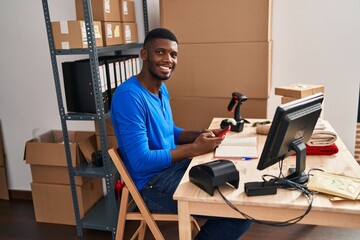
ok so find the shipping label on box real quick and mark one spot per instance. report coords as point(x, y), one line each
point(299, 90)
point(130, 34)
point(127, 11)
point(72, 34)
point(103, 10)
point(112, 33)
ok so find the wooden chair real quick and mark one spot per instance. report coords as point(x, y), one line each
point(144, 215)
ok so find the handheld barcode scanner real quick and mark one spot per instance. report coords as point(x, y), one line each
point(237, 124)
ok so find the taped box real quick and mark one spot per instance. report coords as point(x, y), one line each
point(72, 34)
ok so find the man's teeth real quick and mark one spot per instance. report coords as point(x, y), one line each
point(165, 67)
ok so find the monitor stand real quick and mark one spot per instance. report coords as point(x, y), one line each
point(298, 174)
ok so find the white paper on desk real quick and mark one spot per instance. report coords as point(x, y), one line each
point(237, 148)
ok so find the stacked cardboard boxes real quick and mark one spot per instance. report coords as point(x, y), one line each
point(223, 48)
point(117, 19)
point(114, 23)
point(51, 191)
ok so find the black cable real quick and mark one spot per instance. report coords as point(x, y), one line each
point(282, 182)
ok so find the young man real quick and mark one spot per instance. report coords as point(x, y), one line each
point(155, 151)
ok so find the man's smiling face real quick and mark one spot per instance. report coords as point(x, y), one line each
point(161, 58)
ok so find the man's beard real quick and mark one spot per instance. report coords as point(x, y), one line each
point(155, 75)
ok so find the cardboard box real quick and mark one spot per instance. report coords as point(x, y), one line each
point(72, 34)
point(50, 151)
point(112, 33)
point(112, 141)
point(287, 99)
point(218, 70)
point(127, 11)
point(88, 147)
point(53, 202)
point(103, 10)
point(298, 90)
point(54, 175)
point(4, 192)
point(194, 113)
point(212, 21)
point(108, 125)
point(130, 32)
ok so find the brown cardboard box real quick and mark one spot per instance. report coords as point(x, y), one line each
point(112, 141)
point(298, 90)
point(72, 34)
point(287, 99)
point(109, 128)
point(103, 10)
point(4, 192)
point(50, 150)
point(53, 202)
point(112, 33)
point(54, 175)
point(218, 70)
point(194, 113)
point(129, 32)
point(212, 21)
point(127, 11)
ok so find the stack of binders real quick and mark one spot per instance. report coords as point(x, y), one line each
point(78, 84)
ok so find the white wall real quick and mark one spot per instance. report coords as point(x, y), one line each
point(314, 42)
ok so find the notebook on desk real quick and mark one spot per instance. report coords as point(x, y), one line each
point(235, 147)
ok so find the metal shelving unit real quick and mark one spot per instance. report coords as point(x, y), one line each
point(103, 216)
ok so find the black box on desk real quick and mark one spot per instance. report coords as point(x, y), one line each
point(79, 90)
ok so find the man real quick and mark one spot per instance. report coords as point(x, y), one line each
point(155, 151)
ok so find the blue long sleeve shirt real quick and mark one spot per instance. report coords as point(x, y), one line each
point(144, 129)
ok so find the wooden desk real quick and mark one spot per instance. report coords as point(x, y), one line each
point(285, 205)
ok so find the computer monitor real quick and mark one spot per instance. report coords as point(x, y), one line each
point(290, 130)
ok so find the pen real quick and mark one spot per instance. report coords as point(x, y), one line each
point(246, 158)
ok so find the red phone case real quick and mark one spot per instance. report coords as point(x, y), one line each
point(224, 131)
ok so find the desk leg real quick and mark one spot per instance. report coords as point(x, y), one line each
point(184, 221)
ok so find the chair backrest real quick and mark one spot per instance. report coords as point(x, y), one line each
point(120, 166)
point(130, 187)
point(146, 218)
point(129, 184)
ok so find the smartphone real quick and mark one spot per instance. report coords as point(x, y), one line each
point(224, 131)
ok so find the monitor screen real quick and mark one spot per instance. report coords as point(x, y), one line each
point(290, 130)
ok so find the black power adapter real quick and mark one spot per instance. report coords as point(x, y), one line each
point(260, 188)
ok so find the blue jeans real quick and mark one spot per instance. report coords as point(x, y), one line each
point(158, 196)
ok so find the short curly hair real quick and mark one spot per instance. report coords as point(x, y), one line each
point(161, 33)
